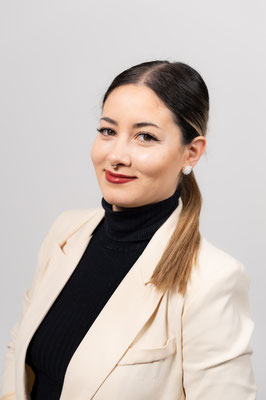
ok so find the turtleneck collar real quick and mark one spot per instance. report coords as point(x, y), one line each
point(135, 224)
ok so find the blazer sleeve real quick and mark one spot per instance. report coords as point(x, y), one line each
point(8, 375)
point(217, 329)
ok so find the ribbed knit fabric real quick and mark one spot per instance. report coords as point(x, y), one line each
point(116, 244)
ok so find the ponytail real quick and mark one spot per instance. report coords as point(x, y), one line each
point(176, 264)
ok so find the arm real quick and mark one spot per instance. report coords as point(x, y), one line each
point(8, 377)
point(217, 328)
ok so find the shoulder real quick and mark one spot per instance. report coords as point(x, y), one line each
point(214, 259)
point(65, 224)
point(216, 271)
point(74, 218)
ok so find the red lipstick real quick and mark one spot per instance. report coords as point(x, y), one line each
point(118, 178)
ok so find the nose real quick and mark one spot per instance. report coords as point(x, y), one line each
point(119, 153)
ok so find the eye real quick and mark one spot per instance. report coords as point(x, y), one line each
point(148, 135)
point(101, 130)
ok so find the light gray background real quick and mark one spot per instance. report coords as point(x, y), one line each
point(57, 58)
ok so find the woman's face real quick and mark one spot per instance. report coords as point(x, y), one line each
point(153, 155)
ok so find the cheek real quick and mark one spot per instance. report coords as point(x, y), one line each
point(97, 152)
point(158, 163)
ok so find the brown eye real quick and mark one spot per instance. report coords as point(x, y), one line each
point(101, 130)
point(149, 136)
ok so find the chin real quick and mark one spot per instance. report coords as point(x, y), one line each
point(118, 201)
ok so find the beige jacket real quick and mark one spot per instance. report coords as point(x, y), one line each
point(143, 345)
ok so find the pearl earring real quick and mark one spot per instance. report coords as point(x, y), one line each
point(187, 169)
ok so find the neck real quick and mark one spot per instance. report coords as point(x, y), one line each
point(137, 223)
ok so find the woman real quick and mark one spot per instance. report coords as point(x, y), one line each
point(129, 301)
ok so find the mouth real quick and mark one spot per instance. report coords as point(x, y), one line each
point(119, 175)
point(118, 178)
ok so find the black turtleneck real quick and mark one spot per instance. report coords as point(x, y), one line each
point(116, 244)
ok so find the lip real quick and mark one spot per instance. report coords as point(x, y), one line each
point(119, 175)
point(118, 179)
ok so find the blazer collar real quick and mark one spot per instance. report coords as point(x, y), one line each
point(123, 316)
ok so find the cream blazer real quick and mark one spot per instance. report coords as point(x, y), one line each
point(143, 345)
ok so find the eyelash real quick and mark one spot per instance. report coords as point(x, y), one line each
point(141, 133)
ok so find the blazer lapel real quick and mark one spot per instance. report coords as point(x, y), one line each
point(60, 268)
point(122, 317)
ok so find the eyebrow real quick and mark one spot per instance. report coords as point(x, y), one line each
point(136, 125)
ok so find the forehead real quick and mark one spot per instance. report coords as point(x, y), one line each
point(136, 102)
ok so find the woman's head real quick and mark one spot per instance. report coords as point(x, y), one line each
point(171, 96)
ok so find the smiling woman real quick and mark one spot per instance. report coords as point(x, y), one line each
point(155, 156)
point(129, 301)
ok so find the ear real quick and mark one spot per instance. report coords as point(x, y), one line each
point(195, 149)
